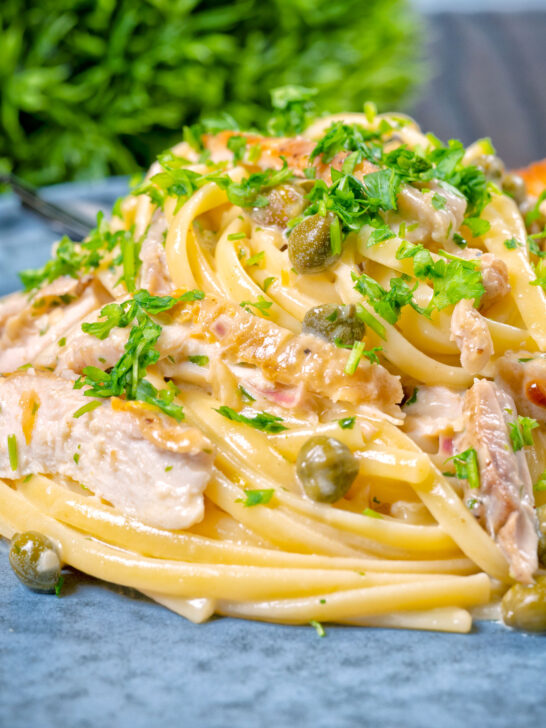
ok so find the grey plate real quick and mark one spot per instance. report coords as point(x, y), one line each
point(103, 656)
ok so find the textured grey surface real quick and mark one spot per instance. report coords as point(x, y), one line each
point(98, 657)
point(488, 80)
point(101, 656)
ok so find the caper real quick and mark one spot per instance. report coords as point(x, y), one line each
point(524, 606)
point(491, 165)
point(337, 324)
point(309, 246)
point(515, 186)
point(326, 469)
point(283, 203)
point(35, 560)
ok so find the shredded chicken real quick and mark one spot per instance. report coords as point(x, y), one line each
point(286, 367)
point(126, 452)
point(471, 333)
point(434, 417)
point(293, 359)
point(494, 276)
point(524, 374)
point(505, 495)
point(154, 273)
point(31, 326)
point(435, 225)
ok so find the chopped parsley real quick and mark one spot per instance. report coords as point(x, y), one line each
point(466, 467)
point(268, 282)
point(76, 458)
point(257, 259)
point(413, 398)
point(261, 305)
point(89, 407)
point(387, 304)
point(261, 421)
point(540, 485)
point(59, 585)
point(200, 359)
point(357, 352)
point(12, 452)
point(371, 321)
point(511, 244)
point(74, 259)
point(438, 201)
point(477, 226)
point(318, 627)
point(347, 423)
point(237, 145)
point(62, 342)
point(371, 513)
point(247, 397)
point(126, 377)
point(452, 278)
point(257, 497)
point(520, 432)
point(236, 236)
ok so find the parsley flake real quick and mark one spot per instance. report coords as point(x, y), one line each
point(262, 421)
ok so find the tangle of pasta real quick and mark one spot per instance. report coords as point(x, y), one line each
point(426, 258)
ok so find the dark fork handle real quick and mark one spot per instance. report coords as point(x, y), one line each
point(63, 222)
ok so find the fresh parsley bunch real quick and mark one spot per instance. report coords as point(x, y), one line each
point(90, 88)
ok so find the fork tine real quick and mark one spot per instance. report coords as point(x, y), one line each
point(75, 226)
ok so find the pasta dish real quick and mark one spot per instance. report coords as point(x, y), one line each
point(297, 378)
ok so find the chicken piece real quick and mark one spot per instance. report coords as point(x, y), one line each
point(469, 330)
point(42, 321)
point(505, 495)
point(219, 330)
point(494, 276)
point(154, 272)
point(524, 374)
point(145, 464)
point(435, 225)
point(289, 359)
point(434, 416)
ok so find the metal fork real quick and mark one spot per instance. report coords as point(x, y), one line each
point(77, 227)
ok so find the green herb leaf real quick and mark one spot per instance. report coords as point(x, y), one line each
point(12, 452)
point(371, 513)
point(262, 421)
point(466, 467)
point(257, 497)
point(261, 305)
point(200, 359)
point(89, 407)
point(318, 628)
point(347, 423)
point(540, 485)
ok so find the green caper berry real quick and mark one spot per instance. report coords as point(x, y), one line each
point(336, 324)
point(309, 245)
point(515, 186)
point(35, 560)
point(283, 203)
point(491, 165)
point(326, 469)
point(524, 606)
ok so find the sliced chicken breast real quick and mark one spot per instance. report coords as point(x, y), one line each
point(144, 463)
point(505, 496)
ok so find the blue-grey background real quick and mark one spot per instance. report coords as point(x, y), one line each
point(101, 656)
